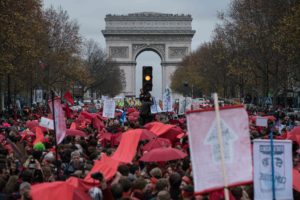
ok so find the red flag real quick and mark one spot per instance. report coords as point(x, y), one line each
point(68, 111)
point(73, 126)
point(60, 122)
point(206, 153)
point(39, 135)
point(127, 147)
point(68, 97)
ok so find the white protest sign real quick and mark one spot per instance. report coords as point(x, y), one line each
point(167, 100)
point(205, 148)
point(283, 167)
point(262, 121)
point(185, 105)
point(154, 106)
point(39, 96)
point(109, 108)
point(47, 123)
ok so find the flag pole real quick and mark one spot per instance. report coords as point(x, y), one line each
point(272, 163)
point(54, 128)
point(220, 141)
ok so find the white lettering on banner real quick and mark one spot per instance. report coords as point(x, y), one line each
point(263, 169)
point(228, 138)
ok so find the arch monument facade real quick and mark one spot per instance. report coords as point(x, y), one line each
point(126, 36)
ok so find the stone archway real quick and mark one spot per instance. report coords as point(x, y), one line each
point(168, 35)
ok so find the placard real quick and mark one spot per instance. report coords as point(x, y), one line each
point(262, 121)
point(109, 108)
point(205, 148)
point(47, 123)
point(263, 169)
point(167, 100)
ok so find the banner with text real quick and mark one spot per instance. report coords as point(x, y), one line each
point(109, 108)
point(263, 169)
point(167, 100)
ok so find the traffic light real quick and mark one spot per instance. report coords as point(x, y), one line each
point(147, 78)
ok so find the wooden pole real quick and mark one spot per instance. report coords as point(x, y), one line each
point(220, 141)
point(55, 140)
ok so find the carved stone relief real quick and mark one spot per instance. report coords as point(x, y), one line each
point(119, 52)
point(157, 38)
point(177, 52)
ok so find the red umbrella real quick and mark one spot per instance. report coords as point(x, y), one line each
point(151, 124)
point(163, 154)
point(134, 114)
point(146, 134)
point(132, 118)
point(295, 134)
point(157, 143)
point(296, 179)
point(131, 110)
point(57, 190)
point(74, 132)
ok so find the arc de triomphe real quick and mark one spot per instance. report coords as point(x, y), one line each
point(169, 35)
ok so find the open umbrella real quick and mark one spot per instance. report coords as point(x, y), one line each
point(294, 134)
point(157, 143)
point(296, 179)
point(131, 110)
point(163, 154)
point(146, 134)
point(135, 114)
point(74, 132)
point(57, 190)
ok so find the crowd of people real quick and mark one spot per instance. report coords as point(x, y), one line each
point(25, 163)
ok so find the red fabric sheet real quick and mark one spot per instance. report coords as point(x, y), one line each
point(107, 166)
point(160, 128)
point(128, 146)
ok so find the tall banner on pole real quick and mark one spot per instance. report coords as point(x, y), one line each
point(167, 100)
point(60, 121)
point(206, 150)
point(283, 167)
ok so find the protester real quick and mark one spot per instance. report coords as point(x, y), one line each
point(25, 163)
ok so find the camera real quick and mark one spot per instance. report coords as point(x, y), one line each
point(97, 176)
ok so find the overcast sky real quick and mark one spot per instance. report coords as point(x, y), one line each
point(90, 15)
